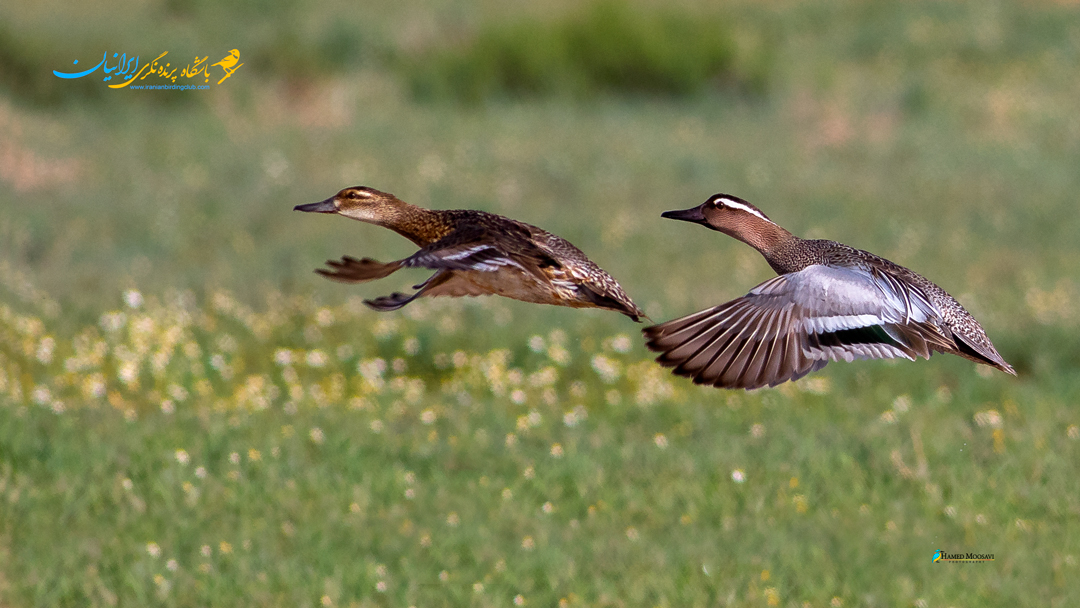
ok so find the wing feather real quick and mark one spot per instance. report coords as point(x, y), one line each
point(796, 323)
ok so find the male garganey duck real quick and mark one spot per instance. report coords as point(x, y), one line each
point(830, 302)
point(473, 253)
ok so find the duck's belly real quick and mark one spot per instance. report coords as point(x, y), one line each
point(513, 283)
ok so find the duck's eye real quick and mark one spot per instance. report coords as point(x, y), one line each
point(352, 194)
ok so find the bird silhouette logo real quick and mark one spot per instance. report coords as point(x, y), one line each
point(230, 63)
point(937, 556)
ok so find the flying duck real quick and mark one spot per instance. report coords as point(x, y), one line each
point(829, 302)
point(473, 253)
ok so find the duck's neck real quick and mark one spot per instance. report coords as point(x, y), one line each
point(763, 235)
point(772, 241)
point(419, 225)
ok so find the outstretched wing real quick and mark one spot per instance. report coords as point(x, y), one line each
point(793, 324)
point(476, 248)
point(470, 248)
point(352, 270)
point(442, 283)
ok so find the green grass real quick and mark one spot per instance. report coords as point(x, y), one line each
point(310, 456)
point(246, 432)
point(608, 48)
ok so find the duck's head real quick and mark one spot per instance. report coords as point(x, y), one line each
point(359, 203)
point(734, 217)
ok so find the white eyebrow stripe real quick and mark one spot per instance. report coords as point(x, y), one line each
point(737, 205)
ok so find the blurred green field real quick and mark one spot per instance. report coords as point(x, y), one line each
point(189, 416)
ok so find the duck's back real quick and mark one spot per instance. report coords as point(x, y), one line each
point(802, 253)
point(566, 266)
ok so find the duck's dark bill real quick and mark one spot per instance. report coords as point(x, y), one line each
point(686, 215)
point(326, 206)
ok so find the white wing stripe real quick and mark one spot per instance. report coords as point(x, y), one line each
point(821, 325)
point(464, 253)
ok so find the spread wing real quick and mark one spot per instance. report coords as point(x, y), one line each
point(442, 283)
point(477, 248)
point(794, 324)
point(352, 270)
point(470, 248)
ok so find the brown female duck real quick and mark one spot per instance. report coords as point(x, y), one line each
point(473, 253)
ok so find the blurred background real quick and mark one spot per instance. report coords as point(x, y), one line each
point(191, 416)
